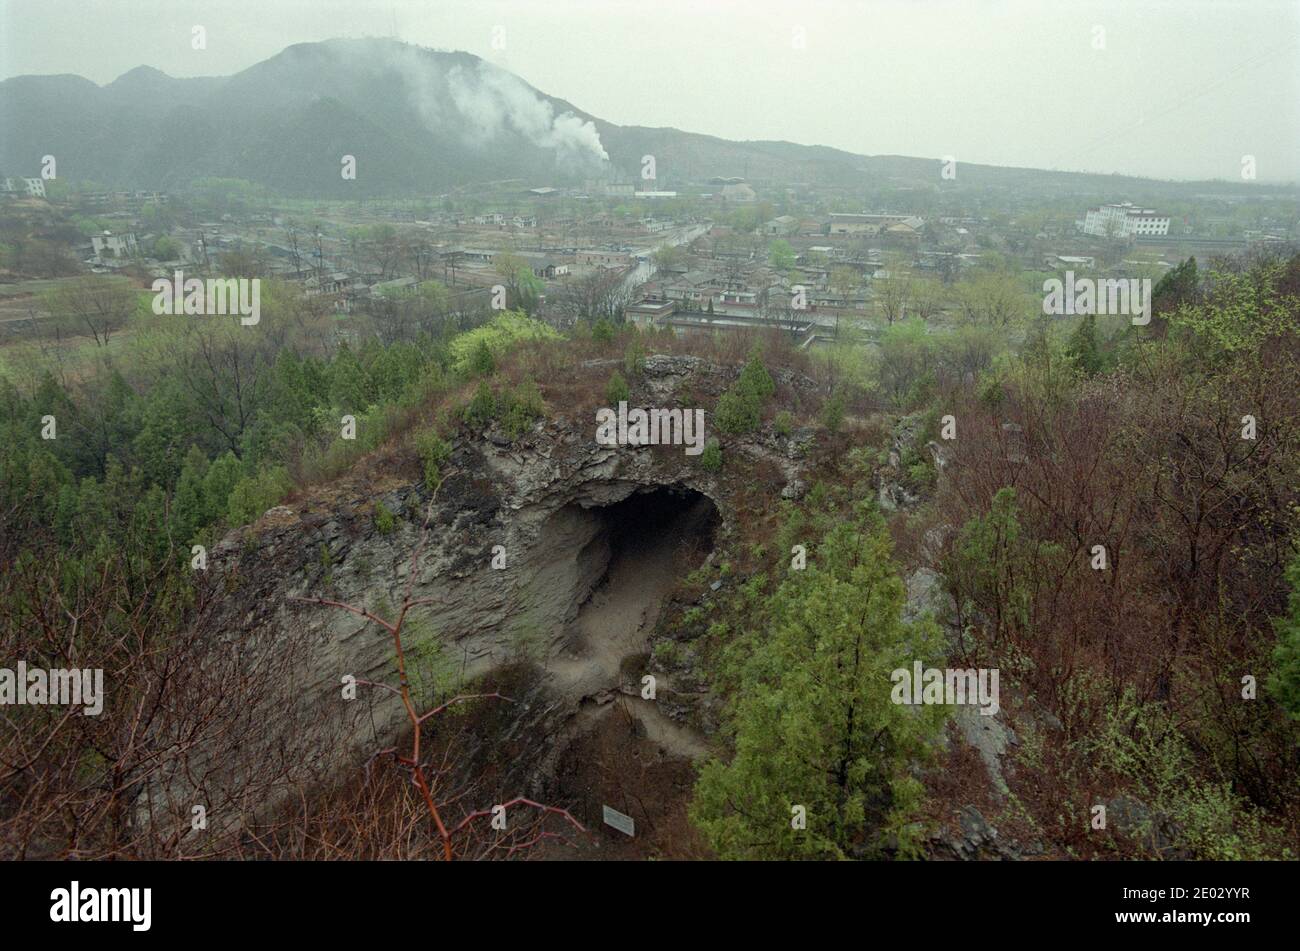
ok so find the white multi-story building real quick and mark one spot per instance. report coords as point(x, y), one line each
point(109, 245)
point(1125, 220)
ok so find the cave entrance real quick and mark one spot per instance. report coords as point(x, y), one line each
point(644, 544)
point(667, 524)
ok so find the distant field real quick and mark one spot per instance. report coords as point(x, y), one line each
point(24, 359)
point(16, 303)
point(17, 297)
point(21, 288)
point(21, 355)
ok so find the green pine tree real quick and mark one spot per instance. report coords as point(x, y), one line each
point(349, 384)
point(815, 725)
point(1082, 347)
point(481, 362)
point(616, 390)
point(188, 512)
point(218, 482)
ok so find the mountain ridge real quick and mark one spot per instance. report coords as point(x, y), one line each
point(416, 119)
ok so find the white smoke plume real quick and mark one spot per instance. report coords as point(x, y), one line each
point(493, 101)
point(483, 103)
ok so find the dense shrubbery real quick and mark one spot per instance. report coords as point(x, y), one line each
point(711, 457)
point(1176, 449)
point(517, 408)
point(219, 423)
point(495, 337)
point(385, 521)
point(434, 452)
point(1143, 444)
point(523, 406)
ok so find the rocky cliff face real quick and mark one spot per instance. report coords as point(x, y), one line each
point(550, 550)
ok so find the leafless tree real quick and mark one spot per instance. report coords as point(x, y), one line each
point(602, 293)
point(452, 834)
point(95, 307)
point(178, 759)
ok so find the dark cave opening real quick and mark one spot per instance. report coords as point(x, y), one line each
point(639, 549)
point(666, 521)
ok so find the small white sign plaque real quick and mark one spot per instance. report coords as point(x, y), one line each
point(619, 821)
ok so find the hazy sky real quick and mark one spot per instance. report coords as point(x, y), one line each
point(1179, 89)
